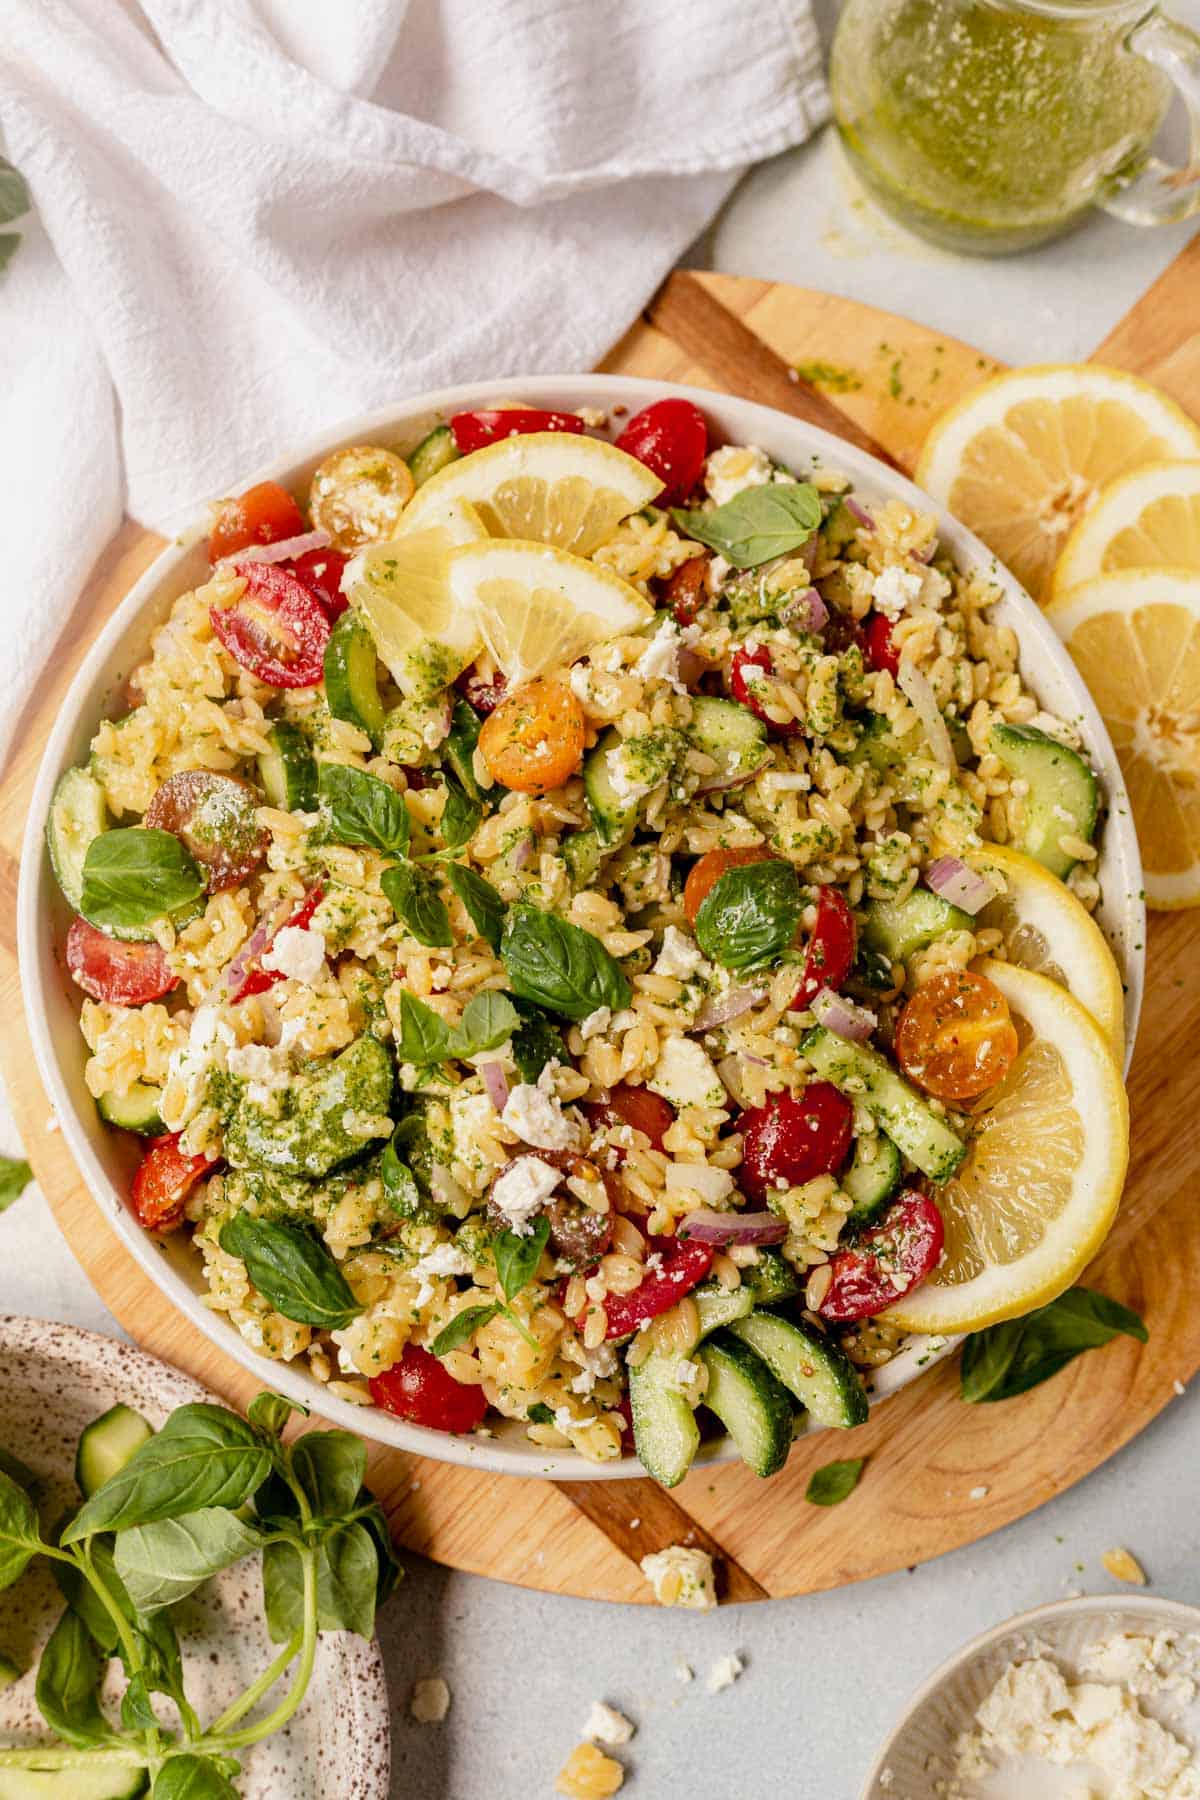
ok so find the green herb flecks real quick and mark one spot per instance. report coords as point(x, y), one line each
point(834, 1482)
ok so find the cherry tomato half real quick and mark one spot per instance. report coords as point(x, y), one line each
point(164, 1179)
point(955, 1038)
point(534, 740)
point(323, 570)
point(247, 975)
point(278, 629)
point(684, 1264)
point(472, 430)
point(124, 974)
point(794, 1138)
point(635, 1106)
point(419, 1389)
point(889, 1260)
point(685, 589)
point(358, 496)
point(750, 675)
point(831, 948)
point(671, 438)
point(704, 874)
point(265, 514)
point(878, 649)
point(213, 816)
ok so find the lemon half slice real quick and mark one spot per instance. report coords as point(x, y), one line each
point(402, 591)
point(1147, 520)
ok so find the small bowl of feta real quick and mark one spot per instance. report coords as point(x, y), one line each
point(1098, 1696)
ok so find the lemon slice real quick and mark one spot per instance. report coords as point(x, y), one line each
point(1039, 1189)
point(550, 487)
point(1045, 929)
point(401, 590)
point(1023, 457)
point(1147, 520)
point(1135, 639)
point(538, 608)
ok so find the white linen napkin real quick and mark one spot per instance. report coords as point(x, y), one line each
point(254, 217)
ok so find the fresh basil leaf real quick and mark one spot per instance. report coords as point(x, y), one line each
point(83, 1599)
point(292, 1269)
point(485, 908)
point(15, 1177)
point(347, 1578)
point(424, 1036)
point(560, 966)
point(750, 915)
point(374, 1522)
point(489, 1020)
point(133, 875)
point(459, 748)
point(14, 195)
point(830, 1485)
point(329, 1465)
point(460, 816)
point(16, 1470)
point(418, 905)
point(517, 1257)
point(536, 1042)
point(461, 1327)
point(158, 1646)
point(162, 1562)
point(410, 1141)
point(137, 1713)
point(20, 1538)
point(9, 244)
point(362, 809)
point(1009, 1359)
point(68, 1684)
point(271, 1412)
point(540, 1414)
point(191, 1777)
point(203, 1456)
point(756, 525)
point(399, 1182)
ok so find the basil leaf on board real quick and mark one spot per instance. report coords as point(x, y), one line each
point(203, 1456)
point(424, 1036)
point(517, 1257)
point(330, 1465)
point(489, 1020)
point(459, 748)
point(14, 195)
point(536, 1042)
point(461, 1327)
point(162, 1562)
point(19, 1535)
point(460, 816)
point(560, 966)
point(271, 1412)
point(68, 1684)
point(830, 1485)
point(399, 1182)
point(15, 1177)
point(1009, 1359)
point(292, 1269)
point(347, 1577)
point(756, 525)
point(362, 809)
point(485, 908)
point(133, 875)
point(418, 905)
point(191, 1777)
point(750, 915)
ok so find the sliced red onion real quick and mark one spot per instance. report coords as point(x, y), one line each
point(916, 689)
point(729, 1005)
point(496, 1083)
point(961, 885)
point(806, 612)
point(708, 1226)
point(808, 552)
point(842, 1016)
point(283, 550)
point(252, 949)
point(522, 853)
point(858, 512)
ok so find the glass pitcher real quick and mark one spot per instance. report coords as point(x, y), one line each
point(990, 125)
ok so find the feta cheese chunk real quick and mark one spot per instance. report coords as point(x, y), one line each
point(680, 955)
point(534, 1111)
point(681, 1576)
point(712, 1185)
point(659, 661)
point(443, 1259)
point(263, 1067)
point(605, 1725)
point(596, 1022)
point(733, 468)
point(523, 1190)
point(895, 590)
point(724, 1673)
point(684, 1074)
point(297, 952)
point(628, 782)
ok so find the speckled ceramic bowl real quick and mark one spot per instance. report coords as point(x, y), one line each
point(920, 1751)
point(337, 1747)
point(107, 1158)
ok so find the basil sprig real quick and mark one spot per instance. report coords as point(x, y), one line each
point(418, 905)
point(489, 1020)
point(834, 1482)
point(292, 1269)
point(361, 809)
point(133, 875)
point(485, 908)
point(460, 818)
point(750, 915)
point(559, 966)
point(517, 1258)
point(1010, 1358)
point(758, 524)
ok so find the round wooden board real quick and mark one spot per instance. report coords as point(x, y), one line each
point(927, 1450)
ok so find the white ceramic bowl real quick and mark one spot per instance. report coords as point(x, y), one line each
point(919, 1752)
point(107, 1158)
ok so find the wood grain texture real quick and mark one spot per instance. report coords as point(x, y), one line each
point(927, 1451)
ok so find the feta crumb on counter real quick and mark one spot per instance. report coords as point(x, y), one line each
point(605, 1725)
point(430, 1700)
point(297, 952)
point(681, 1576)
point(724, 1673)
point(521, 1190)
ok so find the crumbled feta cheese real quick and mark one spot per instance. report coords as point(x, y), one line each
point(895, 590)
point(724, 1673)
point(534, 1111)
point(472, 1116)
point(443, 1259)
point(979, 1493)
point(605, 1725)
point(684, 1671)
point(684, 1074)
point(719, 571)
point(680, 955)
point(430, 1700)
point(625, 784)
point(681, 1576)
point(596, 1022)
point(263, 1066)
point(523, 1189)
point(210, 1039)
point(659, 661)
point(712, 1185)
point(595, 1365)
point(297, 952)
point(733, 468)
point(566, 1422)
point(1164, 1664)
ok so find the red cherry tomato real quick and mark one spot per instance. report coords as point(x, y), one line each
point(164, 1179)
point(683, 1265)
point(686, 589)
point(671, 438)
point(265, 514)
point(278, 629)
point(831, 947)
point(252, 978)
point(752, 692)
point(878, 648)
point(484, 696)
point(419, 1389)
point(889, 1260)
point(322, 571)
point(794, 1138)
point(123, 974)
point(472, 430)
point(635, 1106)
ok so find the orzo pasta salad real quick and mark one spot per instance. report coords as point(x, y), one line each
point(557, 911)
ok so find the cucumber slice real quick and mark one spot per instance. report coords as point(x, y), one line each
point(872, 1177)
point(770, 1279)
point(79, 1783)
point(899, 928)
point(10, 1671)
point(909, 1120)
point(78, 813)
point(583, 853)
point(288, 770)
point(665, 1433)
point(459, 747)
point(755, 1408)
point(648, 761)
point(880, 747)
point(106, 1445)
point(816, 1371)
point(351, 684)
point(719, 1306)
point(731, 735)
point(136, 1110)
point(1062, 798)
point(434, 452)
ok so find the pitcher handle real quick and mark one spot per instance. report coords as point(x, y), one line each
point(1160, 193)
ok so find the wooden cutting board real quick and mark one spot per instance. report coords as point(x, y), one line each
point(928, 1452)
